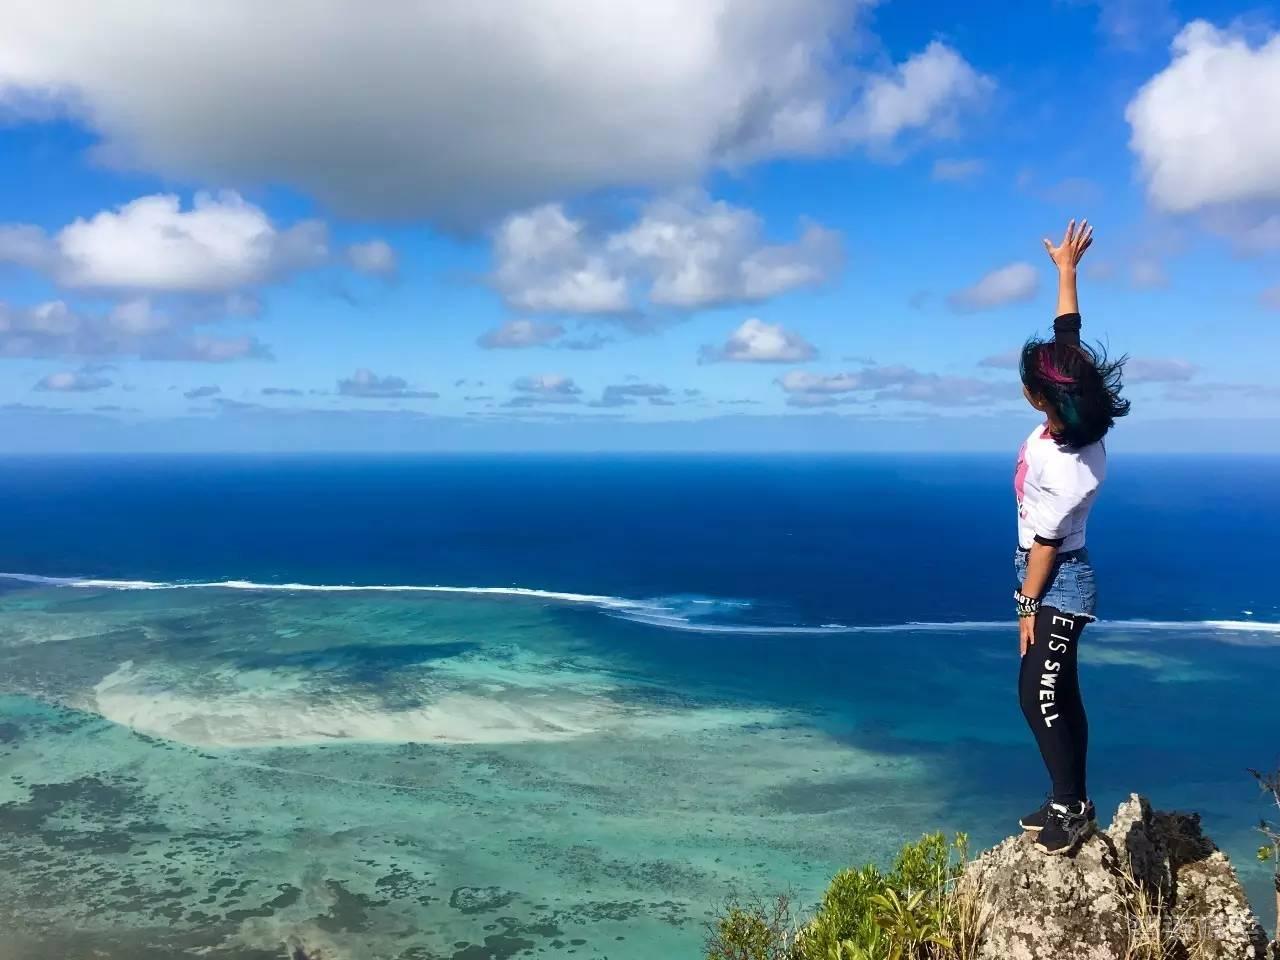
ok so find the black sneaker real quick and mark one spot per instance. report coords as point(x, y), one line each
point(1034, 822)
point(1064, 828)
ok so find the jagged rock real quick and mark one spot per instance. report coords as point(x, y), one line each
point(1152, 867)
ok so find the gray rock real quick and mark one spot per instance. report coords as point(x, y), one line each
point(1148, 873)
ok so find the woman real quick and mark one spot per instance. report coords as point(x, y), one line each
point(1060, 468)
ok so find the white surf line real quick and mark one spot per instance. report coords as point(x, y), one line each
point(636, 611)
point(254, 586)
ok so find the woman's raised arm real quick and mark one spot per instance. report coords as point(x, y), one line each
point(1066, 256)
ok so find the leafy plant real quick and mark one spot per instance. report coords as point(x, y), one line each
point(755, 930)
point(1269, 852)
point(924, 908)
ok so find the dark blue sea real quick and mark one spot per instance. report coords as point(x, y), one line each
point(469, 706)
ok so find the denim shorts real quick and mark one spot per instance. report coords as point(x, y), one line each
point(1072, 588)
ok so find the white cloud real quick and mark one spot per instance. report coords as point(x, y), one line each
point(626, 394)
point(1157, 370)
point(132, 328)
point(1015, 283)
point(137, 318)
point(462, 111)
point(69, 381)
point(957, 171)
point(199, 393)
point(686, 252)
point(923, 93)
point(376, 258)
point(1204, 128)
point(515, 334)
point(759, 342)
point(544, 264)
point(544, 388)
point(698, 253)
point(887, 383)
point(366, 384)
point(219, 244)
point(804, 381)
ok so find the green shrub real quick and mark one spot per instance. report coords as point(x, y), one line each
point(908, 913)
point(756, 930)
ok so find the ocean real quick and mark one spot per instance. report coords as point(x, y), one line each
point(486, 707)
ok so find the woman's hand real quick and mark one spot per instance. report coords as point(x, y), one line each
point(1026, 633)
point(1074, 243)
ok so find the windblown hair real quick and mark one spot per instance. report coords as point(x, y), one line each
point(1079, 384)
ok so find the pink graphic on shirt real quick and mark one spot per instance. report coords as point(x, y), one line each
point(1020, 473)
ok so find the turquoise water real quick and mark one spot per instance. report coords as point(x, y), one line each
point(661, 681)
point(409, 775)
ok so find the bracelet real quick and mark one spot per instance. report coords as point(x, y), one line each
point(1027, 606)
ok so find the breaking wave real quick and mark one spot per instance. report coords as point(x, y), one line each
point(688, 613)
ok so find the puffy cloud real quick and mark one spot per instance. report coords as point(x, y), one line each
point(199, 393)
point(366, 384)
point(923, 93)
point(759, 342)
point(132, 328)
point(568, 96)
point(702, 254)
point(957, 171)
point(685, 253)
point(544, 388)
point(218, 245)
point(376, 258)
point(626, 394)
point(545, 264)
point(1015, 283)
point(891, 383)
point(1153, 370)
point(1204, 127)
point(69, 381)
point(515, 334)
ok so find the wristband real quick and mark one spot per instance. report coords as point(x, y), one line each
point(1027, 606)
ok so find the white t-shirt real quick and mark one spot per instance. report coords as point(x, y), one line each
point(1056, 487)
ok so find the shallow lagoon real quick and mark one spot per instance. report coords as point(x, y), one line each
point(407, 775)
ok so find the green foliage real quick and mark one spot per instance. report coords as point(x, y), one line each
point(900, 915)
point(756, 930)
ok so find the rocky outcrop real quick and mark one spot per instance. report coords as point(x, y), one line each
point(1151, 884)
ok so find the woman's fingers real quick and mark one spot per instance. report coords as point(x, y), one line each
point(1071, 232)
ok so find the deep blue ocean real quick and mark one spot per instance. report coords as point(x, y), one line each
point(807, 540)
point(679, 676)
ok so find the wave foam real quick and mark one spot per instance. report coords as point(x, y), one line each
point(685, 613)
point(528, 592)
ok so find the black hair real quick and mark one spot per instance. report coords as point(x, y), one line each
point(1079, 385)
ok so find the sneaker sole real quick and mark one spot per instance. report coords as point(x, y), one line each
point(1071, 847)
point(1030, 827)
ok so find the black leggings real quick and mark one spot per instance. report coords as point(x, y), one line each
point(1049, 690)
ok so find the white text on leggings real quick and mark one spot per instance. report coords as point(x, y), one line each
point(1049, 679)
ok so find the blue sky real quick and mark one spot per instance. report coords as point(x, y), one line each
point(557, 224)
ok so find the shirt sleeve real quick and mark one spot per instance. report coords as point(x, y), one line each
point(1065, 484)
point(1066, 329)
